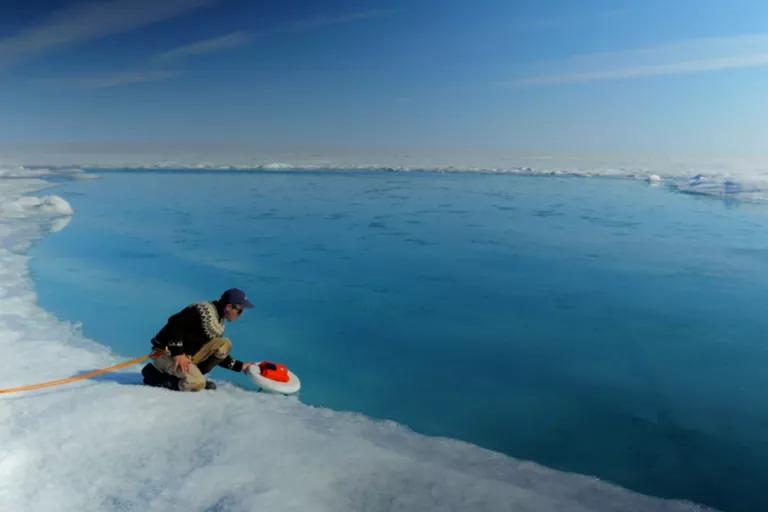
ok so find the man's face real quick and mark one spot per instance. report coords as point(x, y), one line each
point(233, 311)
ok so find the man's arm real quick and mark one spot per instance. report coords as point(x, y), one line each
point(234, 364)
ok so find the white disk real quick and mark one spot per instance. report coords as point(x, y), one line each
point(284, 388)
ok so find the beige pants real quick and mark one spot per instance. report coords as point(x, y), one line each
point(194, 380)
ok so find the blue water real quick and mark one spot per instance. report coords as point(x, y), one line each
point(593, 325)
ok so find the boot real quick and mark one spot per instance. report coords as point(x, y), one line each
point(154, 377)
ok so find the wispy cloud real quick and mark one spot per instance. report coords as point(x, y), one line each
point(85, 22)
point(322, 21)
point(691, 56)
point(581, 19)
point(105, 80)
point(243, 37)
point(212, 45)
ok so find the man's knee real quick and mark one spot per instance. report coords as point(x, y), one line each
point(192, 383)
point(224, 348)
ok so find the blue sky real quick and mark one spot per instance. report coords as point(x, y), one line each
point(685, 78)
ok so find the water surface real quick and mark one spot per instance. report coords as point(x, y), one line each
point(592, 325)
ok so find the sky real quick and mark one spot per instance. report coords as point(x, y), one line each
point(499, 80)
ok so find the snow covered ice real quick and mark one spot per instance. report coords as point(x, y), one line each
point(110, 444)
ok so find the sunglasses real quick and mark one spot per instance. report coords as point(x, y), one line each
point(238, 309)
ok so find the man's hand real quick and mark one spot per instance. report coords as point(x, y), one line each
point(182, 362)
point(246, 366)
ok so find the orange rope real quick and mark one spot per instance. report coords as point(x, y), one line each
point(84, 376)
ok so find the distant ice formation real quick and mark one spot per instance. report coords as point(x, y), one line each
point(746, 184)
point(751, 188)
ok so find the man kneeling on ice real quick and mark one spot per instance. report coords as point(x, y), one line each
point(192, 343)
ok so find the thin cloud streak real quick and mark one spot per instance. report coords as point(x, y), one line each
point(300, 26)
point(212, 45)
point(679, 68)
point(106, 80)
point(243, 37)
point(84, 22)
point(561, 22)
point(693, 56)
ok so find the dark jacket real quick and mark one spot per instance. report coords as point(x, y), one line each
point(191, 328)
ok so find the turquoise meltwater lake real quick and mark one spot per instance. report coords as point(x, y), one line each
point(598, 326)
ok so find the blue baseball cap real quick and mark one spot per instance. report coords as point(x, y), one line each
point(237, 297)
